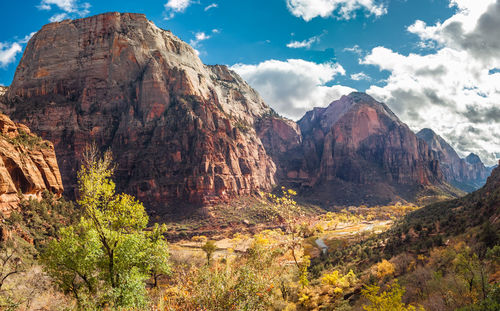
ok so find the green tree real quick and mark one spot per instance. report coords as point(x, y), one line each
point(106, 258)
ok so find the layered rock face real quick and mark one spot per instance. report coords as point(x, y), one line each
point(357, 151)
point(28, 165)
point(282, 139)
point(467, 174)
point(180, 131)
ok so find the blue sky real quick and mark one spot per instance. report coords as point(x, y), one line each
point(304, 53)
point(249, 31)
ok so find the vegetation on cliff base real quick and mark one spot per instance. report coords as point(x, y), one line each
point(105, 259)
point(23, 234)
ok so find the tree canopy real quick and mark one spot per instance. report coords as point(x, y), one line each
point(106, 258)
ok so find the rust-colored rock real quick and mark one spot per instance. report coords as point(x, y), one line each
point(357, 151)
point(282, 139)
point(28, 165)
point(186, 133)
point(180, 131)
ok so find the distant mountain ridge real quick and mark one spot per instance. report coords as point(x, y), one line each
point(467, 174)
point(355, 151)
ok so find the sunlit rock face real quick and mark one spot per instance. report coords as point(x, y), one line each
point(187, 134)
point(180, 131)
point(28, 165)
point(357, 150)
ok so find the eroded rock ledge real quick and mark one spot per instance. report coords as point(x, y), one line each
point(28, 165)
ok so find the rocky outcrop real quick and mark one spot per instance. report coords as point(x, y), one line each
point(282, 139)
point(467, 174)
point(180, 131)
point(357, 151)
point(28, 165)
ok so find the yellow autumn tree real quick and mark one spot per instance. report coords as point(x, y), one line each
point(383, 269)
point(388, 300)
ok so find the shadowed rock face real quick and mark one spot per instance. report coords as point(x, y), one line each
point(282, 139)
point(357, 151)
point(27, 165)
point(180, 131)
point(467, 174)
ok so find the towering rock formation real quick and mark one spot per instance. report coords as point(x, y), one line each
point(357, 151)
point(467, 174)
point(184, 133)
point(180, 131)
point(28, 165)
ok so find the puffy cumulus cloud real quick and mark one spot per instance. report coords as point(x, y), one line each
point(176, 6)
point(294, 86)
point(474, 28)
point(70, 8)
point(455, 89)
point(342, 9)
point(8, 53)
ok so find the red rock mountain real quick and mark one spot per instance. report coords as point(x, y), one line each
point(180, 131)
point(357, 151)
point(468, 174)
point(28, 165)
point(184, 133)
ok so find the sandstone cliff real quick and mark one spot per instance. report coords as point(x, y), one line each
point(357, 151)
point(180, 131)
point(467, 174)
point(28, 165)
point(184, 133)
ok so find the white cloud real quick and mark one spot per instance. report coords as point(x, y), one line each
point(201, 36)
point(176, 6)
point(294, 86)
point(451, 90)
point(211, 6)
point(354, 49)
point(473, 28)
point(303, 44)
point(360, 76)
point(198, 37)
point(70, 8)
point(8, 53)
point(27, 38)
point(58, 17)
point(342, 9)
